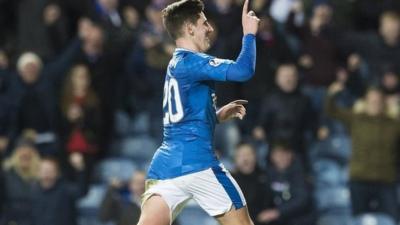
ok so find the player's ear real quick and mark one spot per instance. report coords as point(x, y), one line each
point(189, 29)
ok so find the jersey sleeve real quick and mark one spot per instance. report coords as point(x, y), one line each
point(205, 67)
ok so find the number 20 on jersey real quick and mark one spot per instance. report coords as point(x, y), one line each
point(172, 102)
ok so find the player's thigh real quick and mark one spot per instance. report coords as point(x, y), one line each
point(155, 211)
point(216, 191)
point(235, 217)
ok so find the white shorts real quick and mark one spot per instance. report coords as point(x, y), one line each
point(213, 189)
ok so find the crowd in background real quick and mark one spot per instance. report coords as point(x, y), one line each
point(81, 86)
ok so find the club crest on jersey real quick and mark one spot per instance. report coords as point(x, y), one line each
point(216, 62)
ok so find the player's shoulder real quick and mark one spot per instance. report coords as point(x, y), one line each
point(184, 61)
point(191, 58)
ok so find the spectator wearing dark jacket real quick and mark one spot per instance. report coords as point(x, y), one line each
point(40, 28)
point(318, 54)
point(20, 174)
point(105, 62)
point(291, 194)
point(272, 51)
point(123, 206)
point(107, 13)
point(53, 198)
point(123, 210)
point(286, 113)
point(252, 180)
point(376, 51)
point(33, 90)
point(224, 16)
point(374, 158)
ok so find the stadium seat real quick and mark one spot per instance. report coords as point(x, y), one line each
point(332, 198)
point(227, 136)
point(120, 168)
point(88, 205)
point(336, 147)
point(141, 148)
point(122, 122)
point(335, 218)
point(227, 162)
point(329, 173)
point(373, 219)
point(141, 123)
point(194, 215)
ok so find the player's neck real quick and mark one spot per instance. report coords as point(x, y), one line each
point(186, 44)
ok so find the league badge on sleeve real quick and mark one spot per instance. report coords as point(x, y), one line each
point(216, 62)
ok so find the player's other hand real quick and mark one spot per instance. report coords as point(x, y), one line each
point(249, 20)
point(232, 110)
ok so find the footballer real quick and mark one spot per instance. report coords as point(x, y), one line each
point(185, 166)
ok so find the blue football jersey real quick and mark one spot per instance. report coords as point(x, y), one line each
point(189, 108)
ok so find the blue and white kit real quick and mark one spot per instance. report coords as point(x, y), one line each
point(185, 166)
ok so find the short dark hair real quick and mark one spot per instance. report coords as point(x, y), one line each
point(177, 13)
point(53, 160)
point(282, 144)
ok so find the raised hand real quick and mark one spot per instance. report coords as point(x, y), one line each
point(249, 20)
point(232, 110)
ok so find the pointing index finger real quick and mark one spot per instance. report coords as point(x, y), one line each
point(245, 8)
point(240, 102)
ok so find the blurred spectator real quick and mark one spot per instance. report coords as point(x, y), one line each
point(391, 88)
point(318, 54)
point(225, 16)
point(57, 30)
point(281, 9)
point(286, 112)
point(157, 45)
point(41, 28)
point(252, 180)
point(122, 202)
point(118, 20)
point(353, 86)
point(4, 61)
point(33, 90)
point(8, 24)
point(81, 119)
point(106, 12)
point(54, 199)
point(366, 12)
point(291, 195)
point(149, 58)
point(123, 209)
point(5, 109)
point(375, 51)
point(272, 50)
point(20, 174)
point(104, 60)
point(374, 158)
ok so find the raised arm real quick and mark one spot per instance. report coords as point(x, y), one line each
point(243, 68)
point(57, 69)
point(79, 187)
point(330, 107)
point(205, 67)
